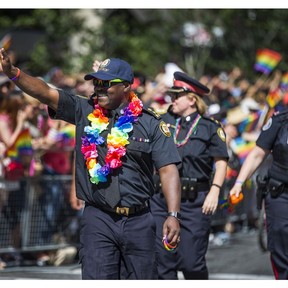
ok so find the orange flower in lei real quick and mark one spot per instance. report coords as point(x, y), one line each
point(117, 139)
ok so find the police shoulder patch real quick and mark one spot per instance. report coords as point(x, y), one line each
point(164, 129)
point(221, 134)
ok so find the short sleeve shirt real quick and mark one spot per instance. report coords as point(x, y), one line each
point(274, 137)
point(206, 142)
point(150, 147)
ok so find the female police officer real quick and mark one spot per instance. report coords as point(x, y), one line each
point(272, 139)
point(201, 145)
point(117, 143)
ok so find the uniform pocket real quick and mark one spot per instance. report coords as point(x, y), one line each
point(139, 150)
point(140, 146)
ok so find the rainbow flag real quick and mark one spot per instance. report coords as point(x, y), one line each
point(224, 204)
point(231, 173)
point(266, 60)
point(249, 124)
point(274, 97)
point(284, 81)
point(67, 134)
point(22, 145)
point(242, 148)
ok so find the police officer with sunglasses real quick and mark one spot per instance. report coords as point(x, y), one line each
point(200, 141)
point(118, 145)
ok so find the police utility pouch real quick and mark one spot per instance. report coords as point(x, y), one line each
point(275, 187)
point(188, 189)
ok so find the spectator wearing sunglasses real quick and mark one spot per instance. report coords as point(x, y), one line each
point(118, 144)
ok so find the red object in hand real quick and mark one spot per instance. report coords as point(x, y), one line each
point(236, 200)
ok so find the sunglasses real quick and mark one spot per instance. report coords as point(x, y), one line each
point(106, 83)
point(176, 95)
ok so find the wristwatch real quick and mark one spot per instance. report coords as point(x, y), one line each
point(177, 215)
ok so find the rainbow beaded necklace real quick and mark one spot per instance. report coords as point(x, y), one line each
point(117, 139)
point(191, 130)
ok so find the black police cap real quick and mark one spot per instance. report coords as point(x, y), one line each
point(184, 83)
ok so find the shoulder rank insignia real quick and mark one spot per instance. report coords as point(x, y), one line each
point(217, 122)
point(221, 134)
point(213, 120)
point(164, 129)
point(153, 112)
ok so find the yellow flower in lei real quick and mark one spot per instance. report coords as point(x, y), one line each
point(117, 139)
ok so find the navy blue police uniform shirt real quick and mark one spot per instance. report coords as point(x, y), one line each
point(274, 137)
point(150, 147)
point(207, 141)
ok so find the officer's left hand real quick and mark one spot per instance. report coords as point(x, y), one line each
point(171, 229)
point(210, 203)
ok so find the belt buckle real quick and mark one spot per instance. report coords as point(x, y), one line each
point(122, 210)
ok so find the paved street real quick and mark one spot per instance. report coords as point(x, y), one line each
point(237, 258)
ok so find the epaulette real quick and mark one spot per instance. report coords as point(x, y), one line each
point(83, 97)
point(152, 112)
point(212, 120)
point(280, 113)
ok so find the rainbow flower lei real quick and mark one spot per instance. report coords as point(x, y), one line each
point(117, 139)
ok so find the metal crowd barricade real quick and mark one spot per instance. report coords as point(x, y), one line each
point(35, 214)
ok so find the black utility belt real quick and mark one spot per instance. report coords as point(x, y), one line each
point(186, 184)
point(192, 184)
point(189, 188)
point(276, 187)
point(126, 211)
point(272, 186)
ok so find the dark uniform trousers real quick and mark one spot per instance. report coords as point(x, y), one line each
point(113, 246)
point(277, 228)
point(189, 256)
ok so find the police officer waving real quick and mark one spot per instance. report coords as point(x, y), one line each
point(118, 144)
point(201, 144)
point(272, 139)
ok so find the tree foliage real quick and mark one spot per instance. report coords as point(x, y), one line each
point(57, 27)
point(149, 38)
